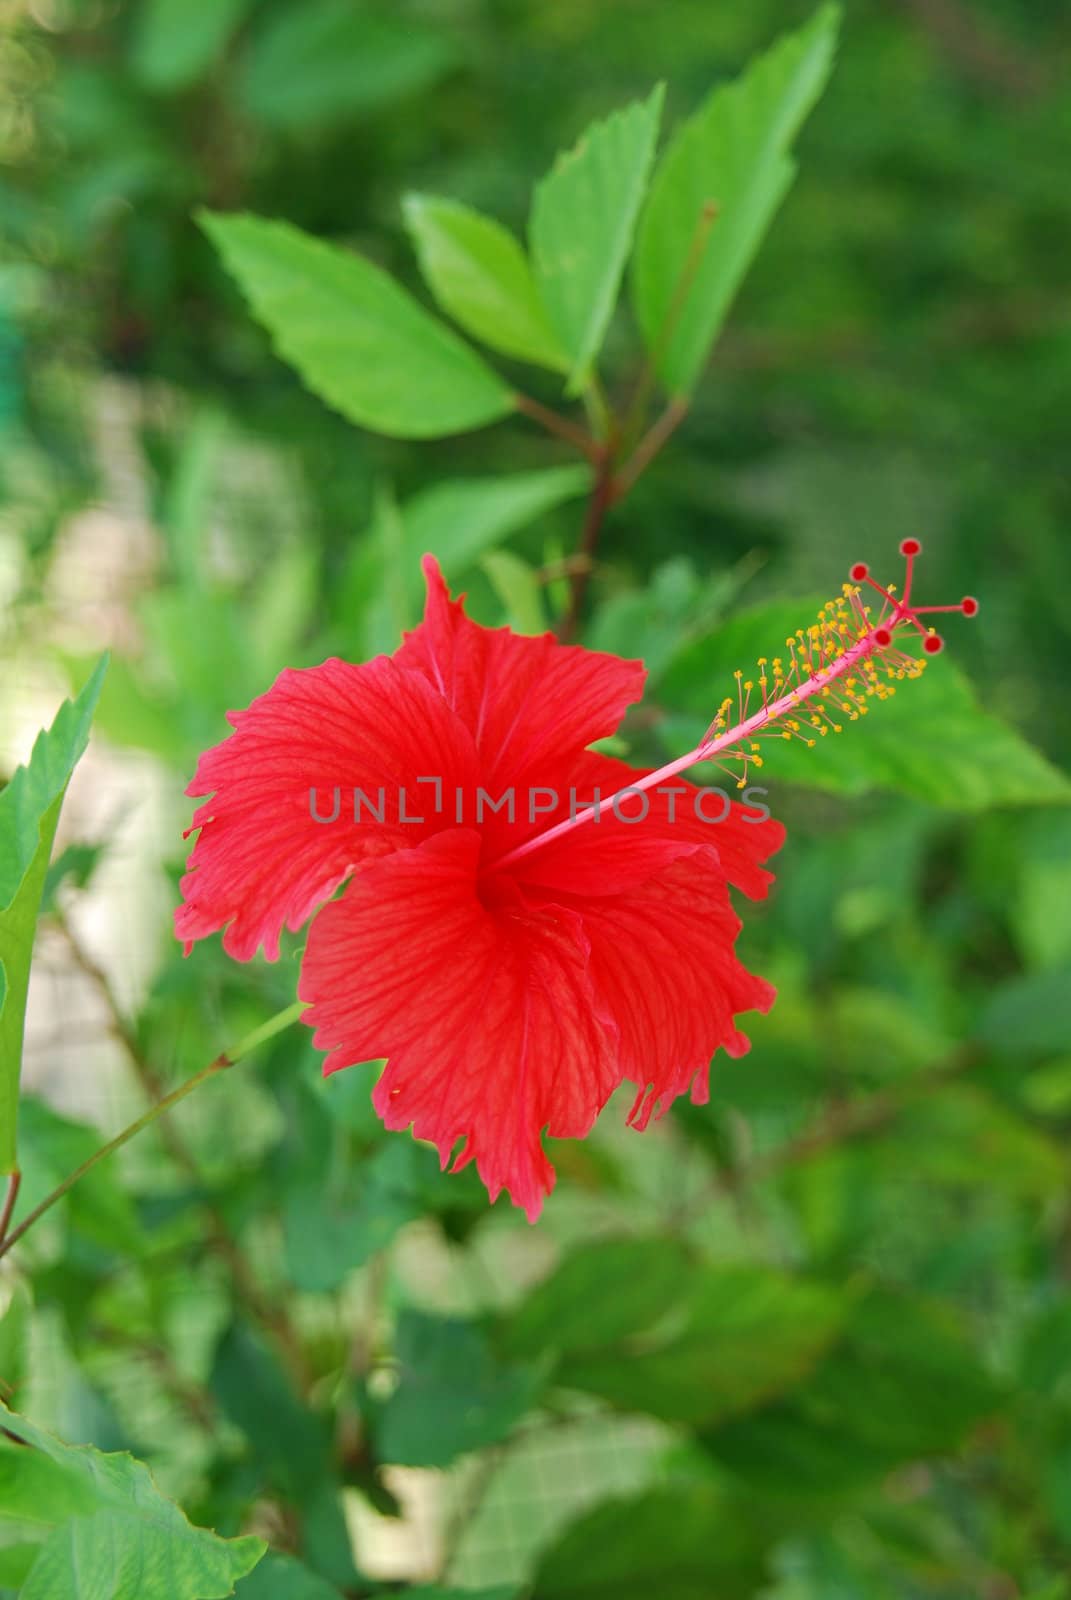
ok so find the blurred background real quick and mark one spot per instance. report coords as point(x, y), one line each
point(295, 1319)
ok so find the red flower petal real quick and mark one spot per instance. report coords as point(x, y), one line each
point(527, 701)
point(663, 963)
point(484, 1011)
point(645, 833)
point(261, 860)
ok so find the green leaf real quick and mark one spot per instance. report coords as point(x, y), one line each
point(316, 64)
point(950, 1137)
point(734, 152)
point(480, 276)
point(580, 232)
point(99, 1207)
point(456, 522)
point(745, 1334)
point(452, 1396)
point(1041, 915)
point(282, 1578)
point(110, 1533)
point(176, 41)
point(433, 1592)
point(16, 1317)
point(328, 1233)
point(29, 811)
point(519, 590)
point(291, 1445)
point(686, 1542)
point(931, 740)
point(358, 340)
point(1030, 1016)
point(902, 1383)
point(600, 1295)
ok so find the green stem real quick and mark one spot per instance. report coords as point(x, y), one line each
point(225, 1059)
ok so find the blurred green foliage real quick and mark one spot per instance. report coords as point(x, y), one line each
point(839, 1295)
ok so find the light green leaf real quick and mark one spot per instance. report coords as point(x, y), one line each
point(357, 338)
point(460, 519)
point(518, 588)
point(455, 521)
point(312, 65)
point(931, 740)
point(581, 227)
point(113, 1534)
point(29, 811)
point(176, 41)
point(734, 152)
point(480, 276)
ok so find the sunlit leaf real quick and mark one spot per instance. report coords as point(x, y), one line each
point(107, 1531)
point(732, 152)
point(480, 276)
point(29, 811)
point(358, 340)
point(583, 216)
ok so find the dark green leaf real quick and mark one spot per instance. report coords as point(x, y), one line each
point(599, 1295)
point(687, 1542)
point(176, 41)
point(356, 337)
point(282, 1578)
point(452, 1396)
point(902, 1383)
point(1029, 1016)
point(326, 60)
point(745, 1334)
point(291, 1445)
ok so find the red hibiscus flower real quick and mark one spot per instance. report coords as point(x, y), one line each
point(509, 990)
